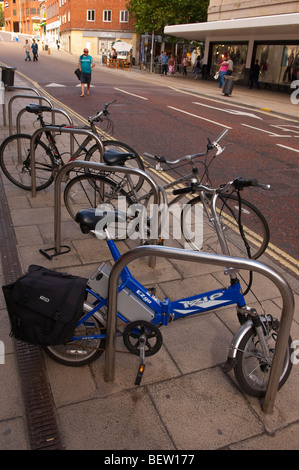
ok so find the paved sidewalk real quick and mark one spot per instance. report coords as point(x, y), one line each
point(185, 401)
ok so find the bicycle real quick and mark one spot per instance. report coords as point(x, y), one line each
point(142, 314)
point(15, 158)
point(92, 190)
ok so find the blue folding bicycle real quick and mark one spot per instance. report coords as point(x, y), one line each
point(142, 314)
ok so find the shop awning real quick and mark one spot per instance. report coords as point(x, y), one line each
point(271, 27)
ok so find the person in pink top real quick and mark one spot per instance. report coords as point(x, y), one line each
point(223, 71)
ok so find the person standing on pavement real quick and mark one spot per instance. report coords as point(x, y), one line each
point(230, 65)
point(164, 62)
point(196, 67)
point(85, 64)
point(171, 65)
point(254, 75)
point(27, 50)
point(34, 48)
point(185, 63)
point(222, 71)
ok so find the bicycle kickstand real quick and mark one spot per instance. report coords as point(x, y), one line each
point(141, 368)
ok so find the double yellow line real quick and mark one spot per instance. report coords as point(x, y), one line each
point(273, 251)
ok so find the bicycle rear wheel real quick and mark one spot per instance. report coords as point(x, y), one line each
point(15, 162)
point(135, 162)
point(80, 352)
point(91, 190)
point(255, 227)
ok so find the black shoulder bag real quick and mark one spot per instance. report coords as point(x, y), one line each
point(44, 306)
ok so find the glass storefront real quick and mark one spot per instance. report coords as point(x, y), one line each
point(278, 63)
point(237, 52)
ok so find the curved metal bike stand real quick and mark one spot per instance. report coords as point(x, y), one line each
point(91, 165)
point(40, 98)
point(63, 130)
point(53, 111)
point(218, 260)
point(12, 88)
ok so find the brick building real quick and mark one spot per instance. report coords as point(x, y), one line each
point(22, 17)
point(94, 24)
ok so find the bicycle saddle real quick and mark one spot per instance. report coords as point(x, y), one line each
point(88, 218)
point(37, 108)
point(115, 157)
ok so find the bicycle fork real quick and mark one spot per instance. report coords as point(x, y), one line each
point(254, 321)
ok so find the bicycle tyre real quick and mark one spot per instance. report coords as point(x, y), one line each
point(136, 162)
point(251, 372)
point(254, 224)
point(80, 352)
point(91, 190)
point(19, 173)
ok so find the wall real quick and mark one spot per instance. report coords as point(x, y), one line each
point(232, 9)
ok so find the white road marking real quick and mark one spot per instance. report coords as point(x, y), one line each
point(199, 117)
point(132, 94)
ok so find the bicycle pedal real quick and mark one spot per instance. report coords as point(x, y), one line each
point(139, 374)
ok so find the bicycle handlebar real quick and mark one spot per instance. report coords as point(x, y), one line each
point(210, 146)
point(238, 183)
point(104, 111)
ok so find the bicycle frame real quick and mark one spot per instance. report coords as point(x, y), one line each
point(163, 312)
point(53, 147)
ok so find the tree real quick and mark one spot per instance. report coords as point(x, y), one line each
point(154, 15)
point(1, 17)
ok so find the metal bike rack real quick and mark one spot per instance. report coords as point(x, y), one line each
point(63, 130)
point(53, 111)
point(218, 260)
point(95, 166)
point(40, 98)
point(12, 88)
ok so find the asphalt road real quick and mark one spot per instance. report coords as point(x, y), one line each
point(163, 121)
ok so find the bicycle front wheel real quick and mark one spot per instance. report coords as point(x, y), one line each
point(135, 162)
point(256, 233)
point(15, 162)
point(252, 369)
point(91, 190)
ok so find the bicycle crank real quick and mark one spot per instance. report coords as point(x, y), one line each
point(142, 339)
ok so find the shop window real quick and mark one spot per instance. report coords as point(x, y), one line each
point(278, 63)
point(238, 54)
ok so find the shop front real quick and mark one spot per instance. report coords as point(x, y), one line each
point(279, 63)
point(272, 40)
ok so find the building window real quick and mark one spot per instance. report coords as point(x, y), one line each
point(278, 63)
point(124, 16)
point(107, 15)
point(91, 15)
point(237, 52)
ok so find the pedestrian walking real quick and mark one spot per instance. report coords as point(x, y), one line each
point(34, 48)
point(164, 62)
point(254, 75)
point(85, 64)
point(27, 50)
